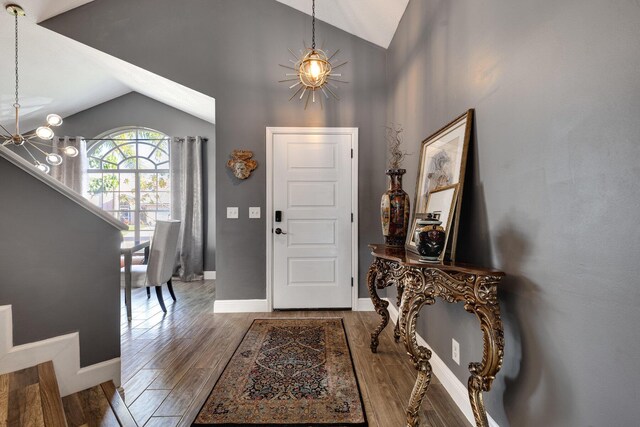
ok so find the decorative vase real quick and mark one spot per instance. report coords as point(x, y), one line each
point(394, 210)
point(430, 239)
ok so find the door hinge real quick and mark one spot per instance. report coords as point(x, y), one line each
point(351, 216)
point(352, 282)
point(352, 153)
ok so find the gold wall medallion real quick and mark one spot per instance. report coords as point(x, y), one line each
point(241, 163)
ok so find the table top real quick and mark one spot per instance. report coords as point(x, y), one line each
point(410, 259)
point(131, 247)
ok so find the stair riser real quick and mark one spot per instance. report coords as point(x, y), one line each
point(64, 351)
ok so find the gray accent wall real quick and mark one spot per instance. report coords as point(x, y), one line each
point(134, 109)
point(552, 196)
point(60, 267)
point(230, 50)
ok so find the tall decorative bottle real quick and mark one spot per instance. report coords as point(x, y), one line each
point(394, 210)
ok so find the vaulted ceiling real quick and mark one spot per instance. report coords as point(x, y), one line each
point(60, 75)
point(373, 20)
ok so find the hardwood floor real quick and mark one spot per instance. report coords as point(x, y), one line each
point(171, 362)
point(100, 405)
point(30, 397)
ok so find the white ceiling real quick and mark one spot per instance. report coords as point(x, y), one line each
point(39, 10)
point(373, 20)
point(60, 75)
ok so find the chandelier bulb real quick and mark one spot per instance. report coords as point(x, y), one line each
point(54, 159)
point(44, 168)
point(54, 120)
point(44, 132)
point(70, 151)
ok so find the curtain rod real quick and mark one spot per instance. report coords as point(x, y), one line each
point(133, 139)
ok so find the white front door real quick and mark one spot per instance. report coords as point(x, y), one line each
point(312, 241)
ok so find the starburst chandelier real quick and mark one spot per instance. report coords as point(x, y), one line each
point(313, 70)
point(43, 132)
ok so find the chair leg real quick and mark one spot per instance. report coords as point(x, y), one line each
point(170, 286)
point(148, 293)
point(160, 298)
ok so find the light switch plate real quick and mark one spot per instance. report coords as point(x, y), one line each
point(232, 213)
point(254, 212)
point(455, 351)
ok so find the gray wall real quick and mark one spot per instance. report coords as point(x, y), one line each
point(553, 194)
point(134, 109)
point(230, 50)
point(55, 288)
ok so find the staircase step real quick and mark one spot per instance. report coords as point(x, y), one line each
point(52, 408)
point(118, 405)
point(31, 397)
point(99, 406)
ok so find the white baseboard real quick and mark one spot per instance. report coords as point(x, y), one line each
point(209, 275)
point(451, 383)
point(364, 304)
point(63, 350)
point(240, 306)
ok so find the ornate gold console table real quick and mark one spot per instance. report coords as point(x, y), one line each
point(419, 283)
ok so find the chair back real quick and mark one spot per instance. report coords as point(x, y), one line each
point(162, 253)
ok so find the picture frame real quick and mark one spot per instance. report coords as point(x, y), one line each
point(441, 204)
point(443, 161)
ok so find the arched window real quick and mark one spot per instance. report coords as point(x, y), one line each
point(129, 177)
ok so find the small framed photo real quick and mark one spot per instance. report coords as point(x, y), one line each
point(441, 205)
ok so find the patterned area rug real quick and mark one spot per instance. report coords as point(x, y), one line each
point(287, 372)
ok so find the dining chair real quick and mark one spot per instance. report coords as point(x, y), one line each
point(161, 263)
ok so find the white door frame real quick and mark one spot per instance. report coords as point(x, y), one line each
point(353, 132)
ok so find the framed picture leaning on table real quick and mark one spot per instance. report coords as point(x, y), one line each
point(443, 160)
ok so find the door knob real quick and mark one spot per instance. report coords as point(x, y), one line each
point(279, 231)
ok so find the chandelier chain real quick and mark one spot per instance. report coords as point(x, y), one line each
point(313, 24)
point(16, 32)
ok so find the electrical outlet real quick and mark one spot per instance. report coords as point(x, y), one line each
point(254, 212)
point(455, 351)
point(232, 213)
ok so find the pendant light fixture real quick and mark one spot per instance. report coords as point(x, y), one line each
point(313, 70)
point(43, 132)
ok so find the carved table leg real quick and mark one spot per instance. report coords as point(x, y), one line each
point(380, 305)
point(483, 374)
point(410, 308)
point(396, 330)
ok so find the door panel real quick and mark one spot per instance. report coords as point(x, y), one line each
point(312, 194)
point(312, 271)
point(311, 156)
point(312, 188)
point(312, 232)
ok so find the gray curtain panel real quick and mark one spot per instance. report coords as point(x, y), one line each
point(187, 204)
point(73, 170)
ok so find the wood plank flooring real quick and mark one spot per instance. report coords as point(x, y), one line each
point(30, 397)
point(171, 362)
point(98, 406)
